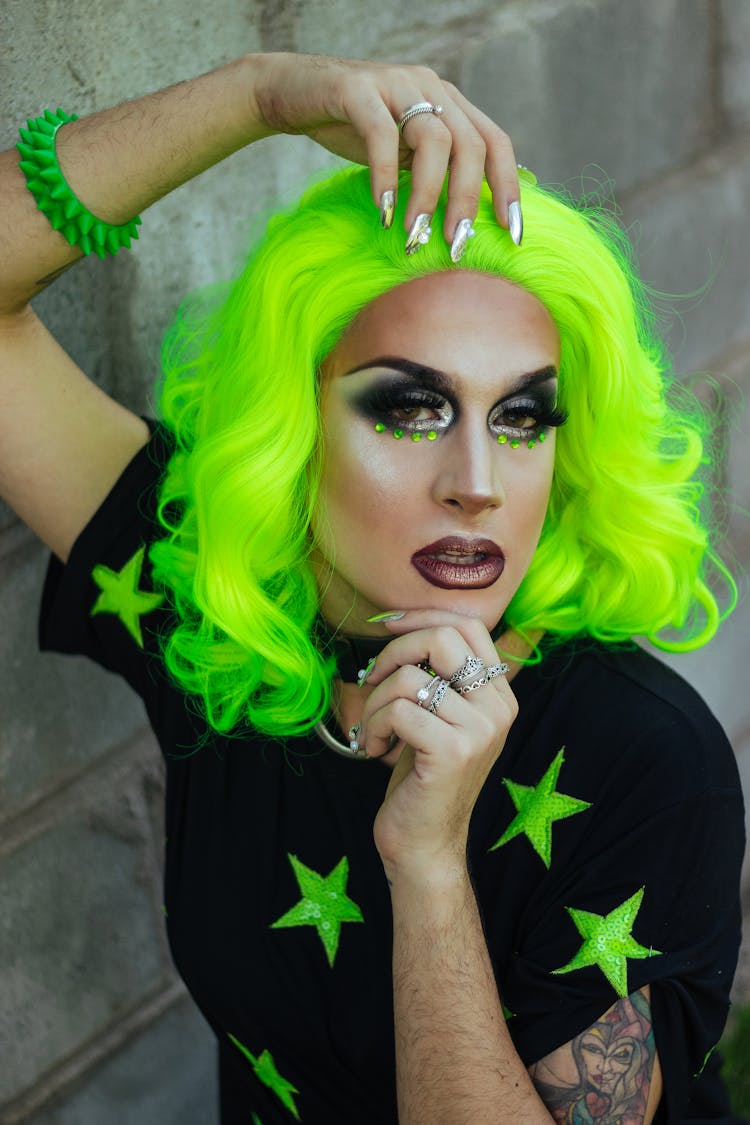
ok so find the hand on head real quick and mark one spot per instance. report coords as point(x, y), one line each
point(352, 108)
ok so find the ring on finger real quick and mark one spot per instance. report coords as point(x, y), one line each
point(425, 693)
point(481, 679)
point(468, 669)
point(413, 110)
point(438, 695)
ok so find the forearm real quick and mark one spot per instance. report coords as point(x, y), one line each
point(455, 1061)
point(120, 161)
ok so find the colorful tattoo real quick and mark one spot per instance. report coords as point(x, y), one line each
point(603, 1076)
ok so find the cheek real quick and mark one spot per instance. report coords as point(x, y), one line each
point(366, 481)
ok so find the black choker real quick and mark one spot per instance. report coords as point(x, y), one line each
point(353, 654)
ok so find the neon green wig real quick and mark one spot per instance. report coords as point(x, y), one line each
point(624, 550)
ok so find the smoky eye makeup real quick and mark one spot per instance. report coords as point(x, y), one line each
point(424, 406)
point(402, 405)
point(527, 415)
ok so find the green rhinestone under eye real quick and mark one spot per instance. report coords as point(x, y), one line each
point(531, 443)
point(379, 427)
point(398, 433)
point(542, 436)
point(514, 444)
point(501, 439)
point(416, 436)
point(431, 435)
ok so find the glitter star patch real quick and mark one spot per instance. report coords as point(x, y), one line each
point(538, 807)
point(608, 942)
point(324, 904)
point(266, 1072)
point(120, 594)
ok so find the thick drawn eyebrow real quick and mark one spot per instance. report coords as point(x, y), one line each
point(442, 383)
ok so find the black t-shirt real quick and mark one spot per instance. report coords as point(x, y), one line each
point(615, 804)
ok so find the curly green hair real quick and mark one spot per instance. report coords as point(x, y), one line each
point(625, 549)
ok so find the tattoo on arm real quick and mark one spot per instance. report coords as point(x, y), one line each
point(603, 1075)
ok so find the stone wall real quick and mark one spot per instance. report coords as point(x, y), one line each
point(652, 95)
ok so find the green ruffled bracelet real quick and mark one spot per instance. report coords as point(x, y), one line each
point(54, 197)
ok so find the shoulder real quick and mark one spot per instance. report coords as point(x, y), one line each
point(623, 710)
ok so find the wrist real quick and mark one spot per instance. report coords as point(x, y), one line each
point(254, 70)
point(269, 76)
point(428, 878)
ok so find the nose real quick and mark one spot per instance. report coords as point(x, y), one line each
point(469, 477)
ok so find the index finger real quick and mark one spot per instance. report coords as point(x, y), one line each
point(411, 648)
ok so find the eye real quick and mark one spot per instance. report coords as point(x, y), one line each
point(527, 417)
point(412, 410)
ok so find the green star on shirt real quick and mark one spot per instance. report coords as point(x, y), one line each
point(120, 594)
point(266, 1072)
point(608, 942)
point(324, 904)
point(538, 807)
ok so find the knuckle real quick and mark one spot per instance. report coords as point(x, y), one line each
point(426, 73)
point(400, 708)
point(405, 679)
point(473, 145)
point(445, 635)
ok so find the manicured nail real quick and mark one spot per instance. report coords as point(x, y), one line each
point(387, 204)
point(390, 615)
point(464, 231)
point(365, 672)
point(515, 222)
point(419, 235)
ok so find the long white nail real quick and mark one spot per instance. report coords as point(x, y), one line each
point(515, 222)
point(464, 231)
point(419, 235)
point(387, 204)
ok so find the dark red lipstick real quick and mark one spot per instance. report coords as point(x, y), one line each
point(459, 562)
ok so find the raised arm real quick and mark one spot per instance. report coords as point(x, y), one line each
point(63, 442)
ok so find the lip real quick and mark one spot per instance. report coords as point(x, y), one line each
point(449, 575)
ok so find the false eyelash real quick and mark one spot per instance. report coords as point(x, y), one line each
point(381, 404)
point(546, 416)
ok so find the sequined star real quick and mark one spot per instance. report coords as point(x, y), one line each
point(608, 942)
point(120, 594)
point(266, 1072)
point(538, 807)
point(324, 904)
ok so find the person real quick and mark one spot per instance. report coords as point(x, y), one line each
point(438, 830)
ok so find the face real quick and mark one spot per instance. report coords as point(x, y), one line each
point(605, 1065)
point(447, 515)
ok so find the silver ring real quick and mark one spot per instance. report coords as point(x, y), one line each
point(469, 668)
point(473, 685)
point(425, 692)
point(413, 110)
point(482, 680)
point(437, 698)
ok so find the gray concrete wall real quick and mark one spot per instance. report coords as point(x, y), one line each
point(654, 94)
